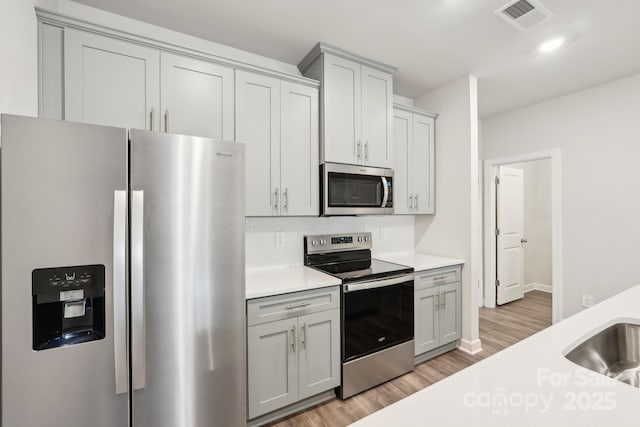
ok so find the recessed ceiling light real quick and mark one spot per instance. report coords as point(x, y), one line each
point(551, 44)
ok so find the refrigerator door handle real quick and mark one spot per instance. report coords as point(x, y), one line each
point(137, 291)
point(120, 290)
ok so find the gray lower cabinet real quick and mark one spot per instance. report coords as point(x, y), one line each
point(437, 308)
point(293, 346)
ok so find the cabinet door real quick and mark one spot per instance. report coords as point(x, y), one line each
point(258, 126)
point(342, 110)
point(299, 149)
point(450, 312)
point(319, 352)
point(110, 82)
point(196, 97)
point(272, 366)
point(422, 168)
point(377, 117)
point(426, 320)
point(402, 135)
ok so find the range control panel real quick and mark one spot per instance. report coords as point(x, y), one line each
point(337, 242)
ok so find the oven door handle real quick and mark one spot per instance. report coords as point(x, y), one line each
point(377, 283)
point(385, 191)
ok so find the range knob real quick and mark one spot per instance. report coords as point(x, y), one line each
point(366, 238)
point(314, 242)
point(322, 242)
point(359, 238)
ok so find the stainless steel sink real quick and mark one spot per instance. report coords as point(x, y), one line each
point(614, 352)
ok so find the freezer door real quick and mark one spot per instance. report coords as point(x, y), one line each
point(187, 281)
point(57, 202)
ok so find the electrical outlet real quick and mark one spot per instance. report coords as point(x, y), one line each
point(587, 300)
point(279, 240)
point(383, 234)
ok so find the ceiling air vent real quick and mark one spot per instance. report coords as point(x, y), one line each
point(524, 14)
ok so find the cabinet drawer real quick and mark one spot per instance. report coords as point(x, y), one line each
point(277, 307)
point(436, 277)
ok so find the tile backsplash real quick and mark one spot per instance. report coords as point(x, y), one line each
point(278, 241)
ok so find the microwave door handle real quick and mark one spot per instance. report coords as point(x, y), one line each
point(385, 190)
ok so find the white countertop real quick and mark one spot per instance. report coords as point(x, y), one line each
point(419, 261)
point(281, 280)
point(530, 383)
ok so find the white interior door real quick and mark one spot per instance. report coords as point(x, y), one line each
point(510, 220)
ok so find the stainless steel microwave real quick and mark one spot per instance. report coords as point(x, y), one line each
point(355, 190)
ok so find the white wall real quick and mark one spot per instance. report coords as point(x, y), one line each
point(537, 221)
point(389, 234)
point(598, 133)
point(18, 58)
point(454, 230)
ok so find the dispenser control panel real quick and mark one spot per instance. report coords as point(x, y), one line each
point(55, 284)
point(68, 305)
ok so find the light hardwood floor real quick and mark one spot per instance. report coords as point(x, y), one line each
point(499, 328)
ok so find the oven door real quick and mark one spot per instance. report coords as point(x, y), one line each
point(376, 315)
point(356, 190)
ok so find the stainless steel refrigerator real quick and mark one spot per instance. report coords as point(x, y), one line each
point(122, 277)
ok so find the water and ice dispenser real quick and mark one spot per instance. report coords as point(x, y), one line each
point(68, 305)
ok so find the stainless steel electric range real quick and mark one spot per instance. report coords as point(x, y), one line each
point(377, 309)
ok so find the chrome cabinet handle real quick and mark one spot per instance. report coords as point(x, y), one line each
point(151, 119)
point(275, 193)
point(359, 152)
point(416, 199)
point(285, 195)
point(439, 277)
point(437, 298)
point(366, 151)
point(166, 121)
point(303, 335)
point(410, 201)
point(137, 291)
point(444, 300)
point(523, 240)
point(293, 339)
point(120, 290)
point(298, 305)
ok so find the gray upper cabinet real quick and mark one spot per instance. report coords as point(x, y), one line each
point(356, 106)
point(278, 122)
point(299, 146)
point(414, 160)
point(118, 83)
point(110, 82)
point(196, 97)
point(437, 308)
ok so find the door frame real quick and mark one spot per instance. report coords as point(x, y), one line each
point(490, 171)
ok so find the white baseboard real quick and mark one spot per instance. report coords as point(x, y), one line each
point(470, 347)
point(537, 287)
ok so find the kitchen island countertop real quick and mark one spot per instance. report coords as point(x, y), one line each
point(530, 383)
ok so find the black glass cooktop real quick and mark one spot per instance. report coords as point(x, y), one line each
point(364, 269)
